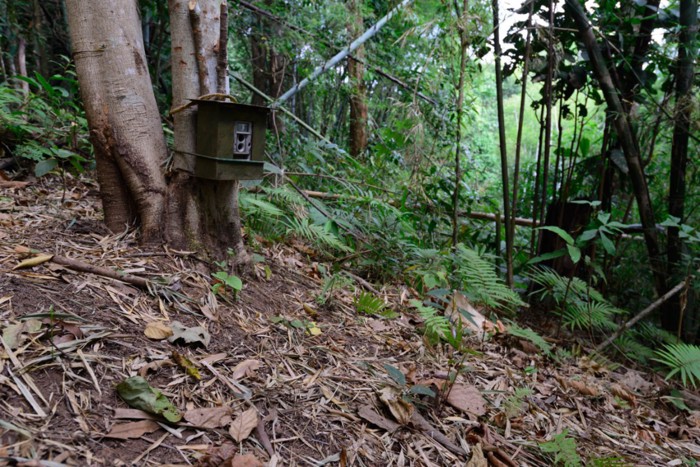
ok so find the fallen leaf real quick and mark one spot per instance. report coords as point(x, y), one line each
point(244, 424)
point(33, 261)
point(193, 335)
point(186, 364)
point(399, 408)
point(461, 309)
point(217, 456)
point(157, 331)
point(313, 329)
point(477, 459)
point(467, 398)
point(132, 429)
point(140, 395)
point(22, 250)
point(245, 368)
point(369, 414)
point(245, 460)
point(213, 417)
point(13, 334)
point(624, 394)
point(579, 386)
point(133, 414)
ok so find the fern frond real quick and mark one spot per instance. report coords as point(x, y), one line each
point(436, 324)
point(526, 333)
point(480, 282)
point(634, 349)
point(681, 359)
point(316, 234)
point(592, 315)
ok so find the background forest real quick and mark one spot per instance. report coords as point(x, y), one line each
point(558, 156)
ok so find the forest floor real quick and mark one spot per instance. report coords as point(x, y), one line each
point(283, 379)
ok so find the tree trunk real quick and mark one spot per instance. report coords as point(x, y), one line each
point(123, 118)
point(356, 72)
point(268, 65)
point(679, 151)
point(627, 140)
point(201, 213)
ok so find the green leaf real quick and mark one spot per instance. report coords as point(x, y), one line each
point(607, 244)
point(44, 167)
point(395, 374)
point(585, 146)
point(559, 231)
point(574, 253)
point(422, 390)
point(136, 392)
point(547, 256)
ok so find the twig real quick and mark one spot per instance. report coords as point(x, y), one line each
point(646, 311)
point(100, 271)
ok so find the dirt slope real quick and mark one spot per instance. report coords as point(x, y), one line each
point(333, 398)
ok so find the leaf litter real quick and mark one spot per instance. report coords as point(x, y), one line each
point(271, 393)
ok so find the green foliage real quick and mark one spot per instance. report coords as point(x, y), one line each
point(226, 280)
point(513, 405)
point(563, 449)
point(369, 304)
point(436, 324)
point(332, 283)
point(682, 360)
point(527, 333)
point(46, 127)
point(580, 305)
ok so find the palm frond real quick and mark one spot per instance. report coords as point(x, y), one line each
point(683, 360)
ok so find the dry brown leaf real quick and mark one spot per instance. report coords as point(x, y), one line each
point(369, 414)
point(624, 394)
point(134, 414)
point(157, 330)
point(132, 429)
point(218, 456)
point(244, 424)
point(475, 321)
point(245, 460)
point(399, 408)
point(477, 459)
point(580, 386)
point(467, 398)
point(213, 417)
point(33, 261)
point(245, 368)
point(22, 250)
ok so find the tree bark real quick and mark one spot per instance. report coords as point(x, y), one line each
point(122, 114)
point(687, 52)
point(201, 213)
point(627, 140)
point(356, 72)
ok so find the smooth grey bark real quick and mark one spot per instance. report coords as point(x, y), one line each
point(123, 118)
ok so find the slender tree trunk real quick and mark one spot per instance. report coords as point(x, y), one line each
point(124, 122)
point(503, 145)
point(356, 71)
point(628, 142)
point(460, 104)
point(679, 151)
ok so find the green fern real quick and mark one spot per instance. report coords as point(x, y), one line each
point(563, 449)
point(369, 304)
point(681, 359)
point(481, 284)
point(316, 234)
point(532, 336)
point(633, 348)
point(592, 315)
point(436, 324)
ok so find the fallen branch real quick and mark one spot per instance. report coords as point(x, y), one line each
point(80, 266)
point(645, 312)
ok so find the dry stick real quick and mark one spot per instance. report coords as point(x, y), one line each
point(646, 311)
point(76, 265)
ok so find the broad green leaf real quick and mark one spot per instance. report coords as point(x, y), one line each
point(395, 374)
point(43, 167)
point(559, 231)
point(547, 256)
point(607, 244)
point(136, 392)
point(574, 253)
